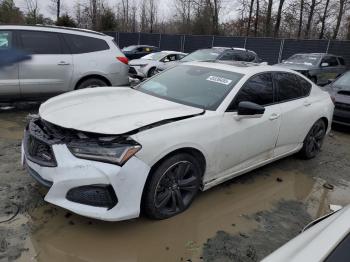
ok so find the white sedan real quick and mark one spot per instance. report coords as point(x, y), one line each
point(109, 153)
point(326, 239)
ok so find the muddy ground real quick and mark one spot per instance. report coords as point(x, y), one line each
point(242, 220)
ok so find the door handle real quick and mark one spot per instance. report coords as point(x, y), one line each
point(307, 103)
point(274, 116)
point(63, 63)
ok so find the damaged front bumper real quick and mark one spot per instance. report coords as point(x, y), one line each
point(90, 188)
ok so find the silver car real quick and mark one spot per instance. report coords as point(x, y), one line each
point(319, 67)
point(148, 64)
point(63, 59)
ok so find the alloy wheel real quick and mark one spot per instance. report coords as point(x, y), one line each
point(176, 188)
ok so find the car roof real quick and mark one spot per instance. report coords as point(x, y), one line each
point(244, 68)
point(57, 29)
point(171, 52)
point(142, 46)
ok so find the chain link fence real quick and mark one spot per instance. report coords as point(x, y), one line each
point(270, 50)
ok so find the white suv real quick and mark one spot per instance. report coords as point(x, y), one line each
point(63, 59)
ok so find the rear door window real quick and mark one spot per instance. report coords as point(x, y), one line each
point(83, 44)
point(5, 40)
point(305, 85)
point(258, 89)
point(44, 43)
point(288, 88)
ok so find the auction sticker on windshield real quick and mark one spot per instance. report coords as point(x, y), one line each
point(219, 80)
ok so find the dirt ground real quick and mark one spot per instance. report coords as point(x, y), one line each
point(242, 220)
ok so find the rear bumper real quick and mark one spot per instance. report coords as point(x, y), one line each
point(341, 117)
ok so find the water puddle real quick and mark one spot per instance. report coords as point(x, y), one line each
point(180, 238)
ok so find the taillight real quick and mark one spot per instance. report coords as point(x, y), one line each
point(123, 59)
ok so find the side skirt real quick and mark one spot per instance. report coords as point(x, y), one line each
point(220, 180)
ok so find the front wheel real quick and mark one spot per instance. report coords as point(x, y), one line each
point(152, 72)
point(172, 187)
point(313, 141)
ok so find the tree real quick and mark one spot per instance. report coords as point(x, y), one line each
point(32, 16)
point(278, 18)
point(268, 18)
point(108, 20)
point(66, 20)
point(310, 17)
point(56, 8)
point(9, 13)
point(323, 19)
point(301, 18)
point(342, 4)
point(250, 16)
point(256, 18)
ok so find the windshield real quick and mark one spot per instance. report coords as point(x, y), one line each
point(201, 55)
point(192, 85)
point(304, 59)
point(154, 56)
point(129, 48)
point(343, 82)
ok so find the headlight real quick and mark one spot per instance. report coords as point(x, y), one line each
point(114, 153)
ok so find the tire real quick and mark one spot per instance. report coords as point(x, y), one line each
point(172, 186)
point(91, 82)
point(151, 72)
point(313, 141)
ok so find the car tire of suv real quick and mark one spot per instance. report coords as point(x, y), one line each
point(173, 185)
point(313, 141)
point(91, 83)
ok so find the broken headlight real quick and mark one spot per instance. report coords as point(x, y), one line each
point(114, 153)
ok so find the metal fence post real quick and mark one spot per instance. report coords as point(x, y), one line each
point(212, 41)
point(245, 42)
point(160, 40)
point(183, 43)
point(118, 38)
point(281, 51)
point(139, 41)
point(329, 43)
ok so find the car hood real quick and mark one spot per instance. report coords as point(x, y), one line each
point(296, 67)
point(111, 110)
point(140, 62)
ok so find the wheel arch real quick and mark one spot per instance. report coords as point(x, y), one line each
point(196, 153)
point(90, 76)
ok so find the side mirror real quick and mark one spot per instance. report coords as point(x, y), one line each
point(324, 64)
point(249, 110)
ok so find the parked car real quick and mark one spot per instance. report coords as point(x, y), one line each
point(62, 60)
point(216, 53)
point(319, 67)
point(138, 51)
point(152, 147)
point(326, 239)
point(147, 65)
point(340, 92)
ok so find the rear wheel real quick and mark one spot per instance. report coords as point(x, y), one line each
point(172, 187)
point(313, 141)
point(91, 82)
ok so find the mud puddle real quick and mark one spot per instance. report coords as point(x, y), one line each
point(227, 208)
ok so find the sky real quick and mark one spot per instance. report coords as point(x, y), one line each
point(165, 7)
